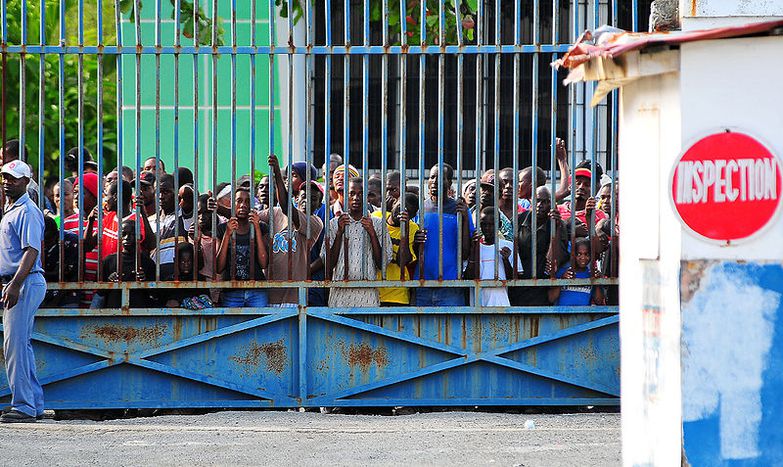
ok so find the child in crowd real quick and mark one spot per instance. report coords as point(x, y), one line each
point(245, 258)
point(193, 298)
point(51, 264)
point(482, 264)
point(577, 295)
point(402, 231)
point(125, 270)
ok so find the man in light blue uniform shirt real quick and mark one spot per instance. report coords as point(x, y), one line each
point(24, 287)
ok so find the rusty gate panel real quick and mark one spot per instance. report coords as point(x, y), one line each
point(376, 357)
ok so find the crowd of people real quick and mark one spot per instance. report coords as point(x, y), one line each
point(279, 228)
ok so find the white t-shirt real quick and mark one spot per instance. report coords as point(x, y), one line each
point(494, 296)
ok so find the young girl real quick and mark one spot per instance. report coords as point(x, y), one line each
point(577, 295)
point(187, 261)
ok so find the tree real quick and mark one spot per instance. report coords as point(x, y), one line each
point(70, 90)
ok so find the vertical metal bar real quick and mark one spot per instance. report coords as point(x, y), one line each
point(496, 142)
point(288, 208)
point(176, 152)
point(196, 170)
point(61, 134)
point(573, 135)
point(385, 135)
point(610, 256)
point(214, 161)
point(272, 42)
point(365, 126)
point(120, 133)
point(23, 86)
point(137, 22)
point(99, 109)
point(346, 125)
point(460, 127)
point(534, 166)
point(496, 160)
point(403, 63)
point(515, 155)
point(479, 147)
point(422, 88)
point(157, 152)
point(41, 103)
point(593, 131)
point(441, 129)
point(80, 125)
point(252, 262)
point(252, 152)
point(635, 15)
point(327, 139)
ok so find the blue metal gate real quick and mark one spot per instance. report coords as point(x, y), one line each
point(317, 356)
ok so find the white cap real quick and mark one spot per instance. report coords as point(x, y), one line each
point(17, 169)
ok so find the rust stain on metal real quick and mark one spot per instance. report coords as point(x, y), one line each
point(363, 356)
point(693, 7)
point(691, 273)
point(589, 354)
point(273, 353)
point(533, 327)
point(116, 333)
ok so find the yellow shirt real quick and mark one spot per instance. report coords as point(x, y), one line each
point(398, 295)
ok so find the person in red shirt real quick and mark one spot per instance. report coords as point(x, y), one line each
point(583, 203)
point(89, 190)
point(109, 235)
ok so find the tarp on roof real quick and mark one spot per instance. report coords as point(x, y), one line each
point(598, 56)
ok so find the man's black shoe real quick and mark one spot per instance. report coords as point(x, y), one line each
point(15, 416)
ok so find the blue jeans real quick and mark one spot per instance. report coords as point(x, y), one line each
point(26, 391)
point(250, 298)
point(429, 296)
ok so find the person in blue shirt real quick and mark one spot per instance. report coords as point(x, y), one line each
point(24, 288)
point(428, 244)
point(577, 295)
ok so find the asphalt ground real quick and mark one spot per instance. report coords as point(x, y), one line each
point(305, 438)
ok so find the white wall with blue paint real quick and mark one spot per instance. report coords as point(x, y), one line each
point(732, 322)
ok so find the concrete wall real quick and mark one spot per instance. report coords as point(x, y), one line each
point(649, 264)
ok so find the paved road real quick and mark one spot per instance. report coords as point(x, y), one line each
point(293, 438)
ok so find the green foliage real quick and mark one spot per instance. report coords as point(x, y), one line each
point(412, 19)
point(188, 22)
point(51, 90)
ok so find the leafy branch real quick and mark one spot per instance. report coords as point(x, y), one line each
point(186, 18)
point(412, 19)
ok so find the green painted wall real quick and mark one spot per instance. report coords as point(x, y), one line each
point(206, 159)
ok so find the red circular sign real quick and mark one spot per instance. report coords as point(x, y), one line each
point(726, 187)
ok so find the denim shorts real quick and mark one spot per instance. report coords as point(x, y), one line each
point(429, 296)
point(251, 298)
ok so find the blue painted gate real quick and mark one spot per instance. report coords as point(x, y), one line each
point(319, 357)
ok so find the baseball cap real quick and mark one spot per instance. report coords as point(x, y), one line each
point(90, 183)
point(17, 169)
point(145, 178)
point(314, 184)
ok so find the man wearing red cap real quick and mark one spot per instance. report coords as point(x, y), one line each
point(89, 190)
point(584, 202)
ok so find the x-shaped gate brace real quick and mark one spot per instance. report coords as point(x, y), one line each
point(461, 357)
